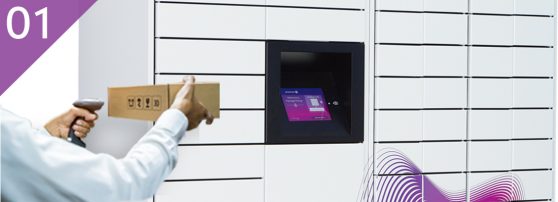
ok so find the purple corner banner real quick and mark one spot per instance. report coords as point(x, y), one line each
point(17, 55)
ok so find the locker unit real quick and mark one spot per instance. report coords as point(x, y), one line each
point(436, 100)
point(463, 105)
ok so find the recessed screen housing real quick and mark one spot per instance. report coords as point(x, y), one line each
point(315, 92)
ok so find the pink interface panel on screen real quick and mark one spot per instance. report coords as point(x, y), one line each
point(305, 104)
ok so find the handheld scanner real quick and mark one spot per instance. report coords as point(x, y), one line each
point(90, 105)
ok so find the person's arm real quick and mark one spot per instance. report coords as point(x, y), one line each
point(59, 171)
point(53, 169)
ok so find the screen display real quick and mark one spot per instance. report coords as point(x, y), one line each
point(305, 104)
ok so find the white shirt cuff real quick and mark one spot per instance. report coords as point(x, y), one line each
point(175, 121)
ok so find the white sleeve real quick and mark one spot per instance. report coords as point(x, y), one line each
point(37, 167)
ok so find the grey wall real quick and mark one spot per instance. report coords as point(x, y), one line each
point(113, 52)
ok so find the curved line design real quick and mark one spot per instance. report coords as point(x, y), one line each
point(401, 182)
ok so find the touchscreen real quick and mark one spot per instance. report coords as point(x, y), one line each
point(305, 104)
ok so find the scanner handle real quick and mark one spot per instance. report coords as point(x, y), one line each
point(90, 105)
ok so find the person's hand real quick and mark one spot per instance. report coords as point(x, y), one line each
point(60, 125)
point(190, 106)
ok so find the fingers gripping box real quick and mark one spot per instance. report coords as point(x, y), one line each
point(149, 102)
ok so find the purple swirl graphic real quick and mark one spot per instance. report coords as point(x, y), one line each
point(400, 181)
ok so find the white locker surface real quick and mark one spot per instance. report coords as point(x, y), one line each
point(215, 162)
point(483, 183)
point(421, 60)
point(525, 185)
point(355, 4)
point(416, 125)
point(401, 5)
point(492, 6)
point(534, 31)
point(210, 56)
point(399, 27)
point(210, 21)
point(494, 67)
point(444, 157)
point(446, 5)
point(444, 124)
point(301, 173)
point(533, 93)
point(490, 155)
point(237, 92)
point(452, 183)
point(398, 126)
point(399, 92)
point(532, 154)
point(211, 191)
point(411, 152)
point(490, 93)
point(226, 130)
point(533, 124)
point(538, 7)
point(491, 61)
point(444, 60)
point(315, 24)
point(536, 184)
point(423, 5)
point(492, 30)
point(390, 182)
point(389, 60)
point(445, 93)
point(534, 62)
point(445, 29)
point(490, 124)
point(250, 2)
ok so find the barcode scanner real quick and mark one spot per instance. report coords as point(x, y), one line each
point(90, 105)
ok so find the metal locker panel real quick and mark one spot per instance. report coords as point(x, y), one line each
point(492, 6)
point(491, 61)
point(445, 60)
point(444, 124)
point(389, 60)
point(399, 92)
point(445, 93)
point(533, 124)
point(533, 92)
point(399, 27)
point(315, 24)
point(445, 28)
point(533, 154)
point(490, 93)
point(490, 155)
point(210, 56)
point(387, 155)
point(492, 30)
point(218, 162)
point(398, 126)
point(534, 62)
point(490, 124)
point(444, 157)
point(210, 21)
point(534, 31)
point(226, 130)
point(212, 191)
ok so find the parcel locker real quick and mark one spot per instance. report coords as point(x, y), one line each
point(322, 99)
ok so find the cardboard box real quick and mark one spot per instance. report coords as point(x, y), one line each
point(149, 102)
